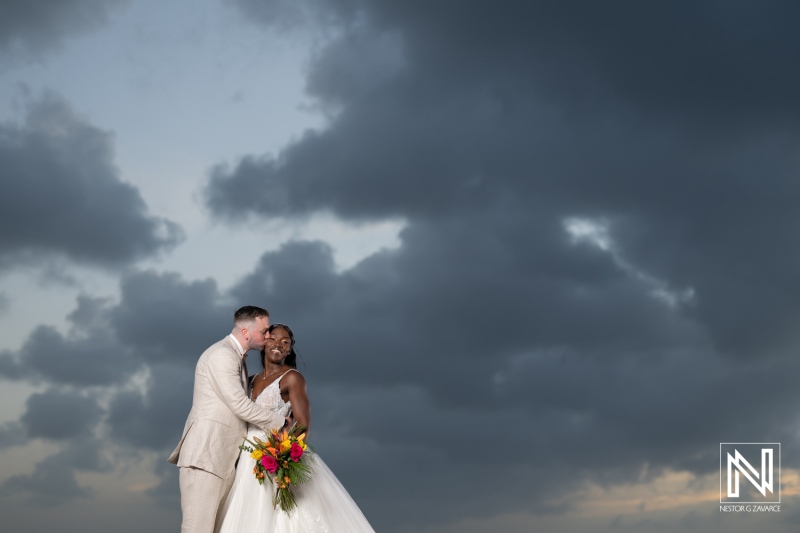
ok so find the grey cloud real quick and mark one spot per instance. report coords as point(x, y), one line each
point(292, 280)
point(12, 434)
point(89, 354)
point(75, 359)
point(56, 414)
point(434, 290)
point(10, 366)
point(167, 318)
point(167, 492)
point(161, 324)
point(657, 124)
point(53, 480)
point(154, 420)
point(587, 55)
point(401, 335)
point(293, 15)
point(486, 109)
point(154, 311)
point(89, 313)
point(395, 343)
point(372, 164)
point(355, 66)
point(61, 182)
point(30, 28)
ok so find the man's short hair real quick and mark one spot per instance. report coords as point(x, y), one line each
point(248, 313)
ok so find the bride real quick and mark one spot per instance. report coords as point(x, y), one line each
point(323, 504)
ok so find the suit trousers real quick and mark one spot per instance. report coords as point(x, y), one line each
point(202, 495)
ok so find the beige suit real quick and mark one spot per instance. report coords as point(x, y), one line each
point(213, 432)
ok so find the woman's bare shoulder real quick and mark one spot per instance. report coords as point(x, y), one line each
point(293, 377)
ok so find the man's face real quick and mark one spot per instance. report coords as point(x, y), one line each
point(257, 334)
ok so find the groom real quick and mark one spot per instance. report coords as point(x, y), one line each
point(216, 425)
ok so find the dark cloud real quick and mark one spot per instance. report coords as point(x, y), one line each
point(28, 28)
point(153, 419)
point(60, 179)
point(355, 66)
point(10, 367)
point(167, 492)
point(152, 332)
point(53, 480)
point(292, 15)
point(56, 414)
point(696, 194)
point(599, 252)
point(292, 280)
point(160, 326)
point(397, 343)
point(388, 358)
point(137, 420)
point(12, 434)
point(164, 317)
point(79, 358)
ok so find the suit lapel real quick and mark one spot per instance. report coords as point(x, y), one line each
point(244, 375)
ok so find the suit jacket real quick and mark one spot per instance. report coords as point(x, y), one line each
point(216, 424)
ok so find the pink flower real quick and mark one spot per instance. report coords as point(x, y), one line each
point(269, 463)
point(296, 452)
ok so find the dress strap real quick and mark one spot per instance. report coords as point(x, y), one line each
point(281, 376)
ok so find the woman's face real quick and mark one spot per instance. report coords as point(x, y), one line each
point(279, 345)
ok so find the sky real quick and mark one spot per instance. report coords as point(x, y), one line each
point(540, 258)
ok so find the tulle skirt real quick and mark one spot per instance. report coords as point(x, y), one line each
point(323, 504)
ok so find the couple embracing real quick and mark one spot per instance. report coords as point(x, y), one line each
point(220, 494)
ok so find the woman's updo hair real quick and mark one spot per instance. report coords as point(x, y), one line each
point(291, 359)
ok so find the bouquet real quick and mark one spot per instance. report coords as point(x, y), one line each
point(285, 459)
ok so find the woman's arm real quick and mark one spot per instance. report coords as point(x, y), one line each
point(298, 395)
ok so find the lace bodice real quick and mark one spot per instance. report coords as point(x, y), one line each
point(270, 397)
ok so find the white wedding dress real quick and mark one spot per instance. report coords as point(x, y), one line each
point(323, 504)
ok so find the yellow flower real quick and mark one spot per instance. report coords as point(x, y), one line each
point(285, 445)
point(257, 454)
